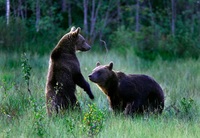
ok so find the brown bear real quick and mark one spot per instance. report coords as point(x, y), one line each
point(64, 73)
point(128, 93)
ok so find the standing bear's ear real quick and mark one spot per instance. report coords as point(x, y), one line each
point(73, 29)
point(76, 32)
point(110, 66)
point(98, 64)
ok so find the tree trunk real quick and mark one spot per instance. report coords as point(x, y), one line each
point(152, 15)
point(20, 9)
point(93, 19)
point(153, 19)
point(173, 4)
point(37, 15)
point(25, 9)
point(106, 19)
point(119, 15)
point(64, 6)
point(7, 12)
point(194, 10)
point(69, 13)
point(85, 22)
point(137, 25)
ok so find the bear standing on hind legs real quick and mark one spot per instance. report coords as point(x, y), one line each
point(128, 93)
point(64, 73)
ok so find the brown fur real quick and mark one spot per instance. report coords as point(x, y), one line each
point(64, 73)
point(129, 93)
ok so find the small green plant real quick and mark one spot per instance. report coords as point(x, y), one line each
point(186, 104)
point(184, 109)
point(93, 120)
point(188, 108)
point(39, 125)
point(5, 87)
point(26, 69)
point(70, 125)
point(37, 110)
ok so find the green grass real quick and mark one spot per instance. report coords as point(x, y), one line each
point(179, 80)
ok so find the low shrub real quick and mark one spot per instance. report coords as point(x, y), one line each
point(122, 40)
point(14, 34)
point(93, 120)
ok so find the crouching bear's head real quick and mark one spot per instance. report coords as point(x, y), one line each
point(101, 74)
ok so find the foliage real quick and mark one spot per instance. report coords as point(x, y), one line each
point(188, 108)
point(13, 35)
point(38, 120)
point(185, 109)
point(37, 109)
point(70, 125)
point(13, 101)
point(93, 120)
point(150, 46)
point(114, 22)
point(122, 40)
point(146, 47)
point(186, 104)
point(26, 68)
point(21, 116)
point(5, 88)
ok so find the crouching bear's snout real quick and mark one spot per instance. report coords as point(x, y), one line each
point(91, 77)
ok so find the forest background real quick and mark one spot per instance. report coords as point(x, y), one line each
point(159, 38)
point(150, 27)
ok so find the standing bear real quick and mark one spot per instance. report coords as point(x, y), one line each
point(64, 73)
point(128, 93)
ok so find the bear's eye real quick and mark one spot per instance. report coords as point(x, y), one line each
point(99, 73)
point(83, 41)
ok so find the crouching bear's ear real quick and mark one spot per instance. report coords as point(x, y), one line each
point(110, 66)
point(98, 64)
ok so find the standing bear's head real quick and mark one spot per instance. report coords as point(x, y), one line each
point(102, 73)
point(81, 43)
point(73, 41)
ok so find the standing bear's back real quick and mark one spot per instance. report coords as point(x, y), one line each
point(64, 73)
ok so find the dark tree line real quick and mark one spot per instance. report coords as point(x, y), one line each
point(99, 18)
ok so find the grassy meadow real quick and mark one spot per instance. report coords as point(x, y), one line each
point(22, 115)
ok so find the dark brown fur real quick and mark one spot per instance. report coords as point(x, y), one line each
point(64, 73)
point(129, 93)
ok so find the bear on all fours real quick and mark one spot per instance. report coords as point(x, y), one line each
point(64, 73)
point(133, 93)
